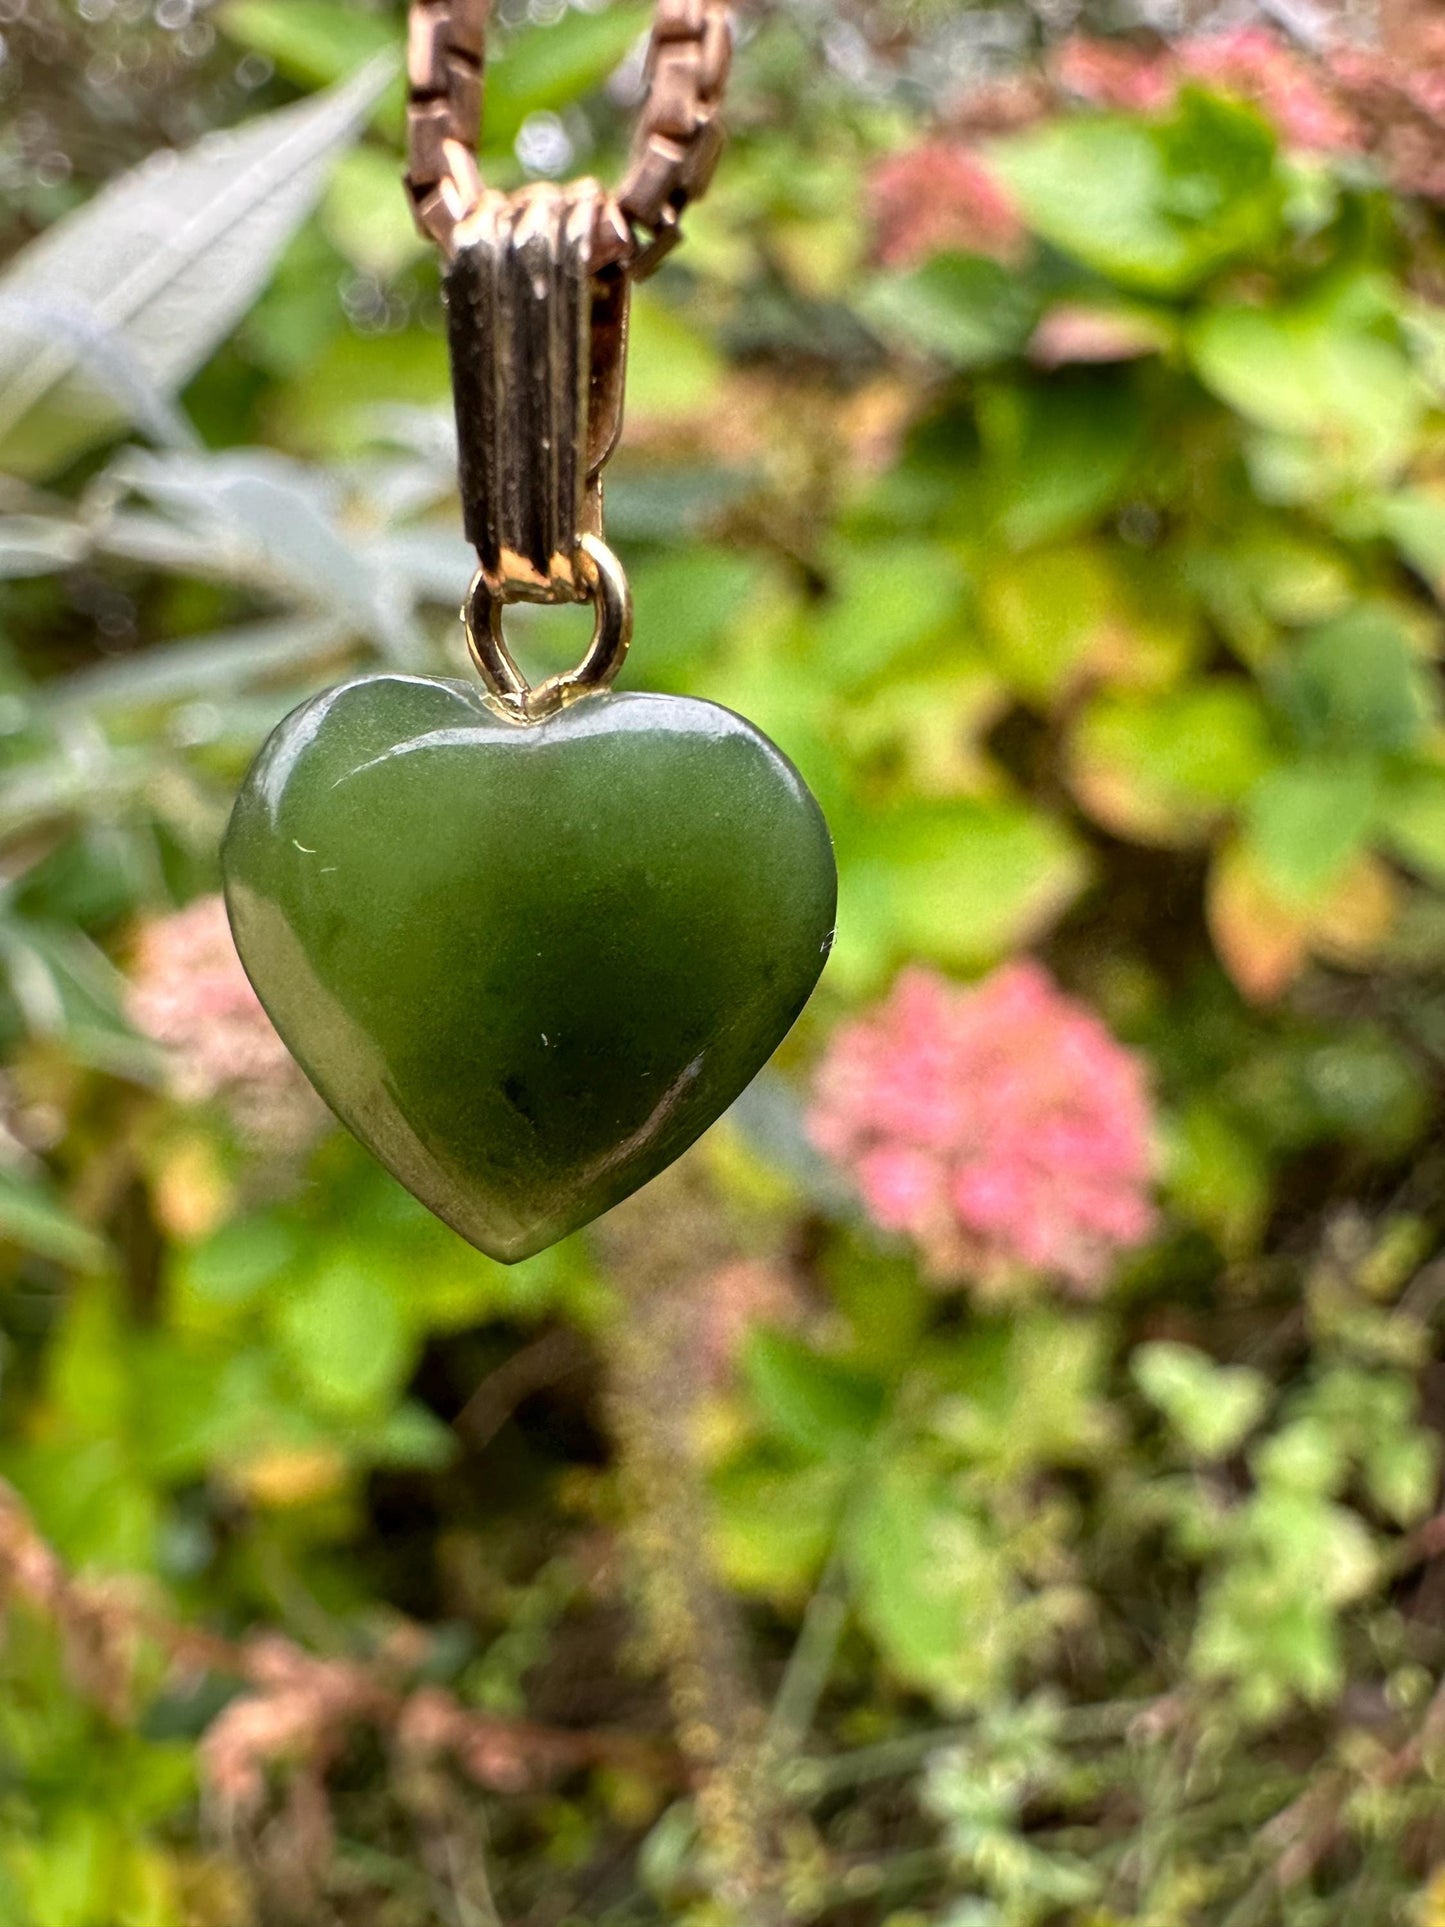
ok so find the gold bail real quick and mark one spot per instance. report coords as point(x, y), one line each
point(538, 341)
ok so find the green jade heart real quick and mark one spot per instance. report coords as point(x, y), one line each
point(526, 965)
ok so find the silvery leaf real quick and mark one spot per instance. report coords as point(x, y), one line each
point(205, 668)
point(38, 545)
point(260, 520)
point(106, 317)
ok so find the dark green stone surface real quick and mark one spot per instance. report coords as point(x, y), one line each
point(526, 966)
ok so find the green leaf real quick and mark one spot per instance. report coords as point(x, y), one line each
point(88, 1378)
point(887, 601)
point(885, 1302)
point(1061, 453)
point(1219, 1177)
point(313, 42)
point(1025, 1396)
point(1046, 612)
point(1412, 820)
point(685, 603)
point(1355, 684)
point(824, 1408)
point(546, 68)
point(1402, 1473)
point(931, 1586)
point(1414, 520)
point(68, 1870)
point(1366, 1087)
point(923, 731)
point(962, 883)
point(187, 1418)
point(413, 1439)
point(673, 370)
point(1236, 584)
point(334, 394)
point(108, 314)
point(957, 308)
point(1054, 615)
point(1156, 207)
point(1318, 370)
point(367, 217)
point(1293, 577)
point(1307, 822)
point(1326, 1550)
point(239, 1261)
point(345, 1337)
point(1163, 769)
point(32, 1217)
point(1273, 1641)
point(772, 1528)
point(87, 1500)
point(1212, 1407)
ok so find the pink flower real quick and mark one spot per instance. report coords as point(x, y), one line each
point(1399, 99)
point(736, 1298)
point(1076, 331)
point(1115, 74)
point(1248, 61)
point(189, 994)
point(1001, 1127)
point(938, 196)
point(1386, 102)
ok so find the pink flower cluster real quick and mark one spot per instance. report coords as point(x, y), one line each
point(1001, 1127)
point(189, 994)
point(1401, 103)
point(1346, 100)
point(1249, 62)
point(940, 196)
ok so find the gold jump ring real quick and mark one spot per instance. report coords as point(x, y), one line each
point(604, 583)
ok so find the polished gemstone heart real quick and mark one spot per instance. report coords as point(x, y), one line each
point(526, 965)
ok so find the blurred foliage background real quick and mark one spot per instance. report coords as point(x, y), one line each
point(994, 1481)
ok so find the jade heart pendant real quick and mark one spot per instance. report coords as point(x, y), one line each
point(526, 966)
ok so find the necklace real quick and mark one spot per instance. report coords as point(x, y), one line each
point(530, 941)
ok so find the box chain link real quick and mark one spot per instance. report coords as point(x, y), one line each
point(675, 148)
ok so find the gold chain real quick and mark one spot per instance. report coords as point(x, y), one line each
point(674, 150)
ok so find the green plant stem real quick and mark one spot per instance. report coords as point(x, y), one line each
point(687, 1623)
point(811, 1662)
point(813, 1778)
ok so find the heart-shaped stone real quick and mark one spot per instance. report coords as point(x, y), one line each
point(526, 965)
